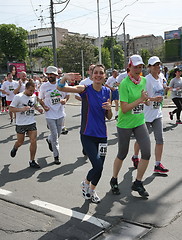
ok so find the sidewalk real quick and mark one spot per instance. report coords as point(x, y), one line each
point(167, 103)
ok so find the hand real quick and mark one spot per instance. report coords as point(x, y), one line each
point(144, 96)
point(72, 77)
point(107, 105)
point(63, 101)
point(158, 99)
point(46, 108)
point(40, 110)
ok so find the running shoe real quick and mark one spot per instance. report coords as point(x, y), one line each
point(171, 115)
point(56, 160)
point(85, 190)
point(64, 131)
point(33, 164)
point(114, 186)
point(13, 152)
point(94, 197)
point(138, 187)
point(49, 144)
point(135, 161)
point(178, 122)
point(160, 169)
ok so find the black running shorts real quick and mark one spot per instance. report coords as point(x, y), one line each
point(21, 129)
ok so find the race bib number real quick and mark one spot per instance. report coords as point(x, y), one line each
point(55, 100)
point(156, 105)
point(138, 109)
point(29, 112)
point(11, 88)
point(179, 93)
point(102, 149)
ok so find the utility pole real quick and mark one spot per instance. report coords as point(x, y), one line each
point(125, 49)
point(112, 52)
point(100, 55)
point(53, 33)
point(82, 64)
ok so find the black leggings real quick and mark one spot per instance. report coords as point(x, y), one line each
point(91, 147)
point(178, 103)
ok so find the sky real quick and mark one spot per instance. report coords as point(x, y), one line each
point(142, 17)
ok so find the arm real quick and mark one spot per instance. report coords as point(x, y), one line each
point(15, 109)
point(75, 89)
point(16, 90)
point(46, 108)
point(126, 107)
point(107, 107)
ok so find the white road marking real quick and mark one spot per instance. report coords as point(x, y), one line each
point(4, 192)
point(84, 217)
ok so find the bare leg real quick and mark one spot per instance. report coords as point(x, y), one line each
point(33, 143)
point(142, 166)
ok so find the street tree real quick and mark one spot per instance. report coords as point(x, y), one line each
point(118, 57)
point(106, 57)
point(13, 46)
point(70, 53)
point(43, 55)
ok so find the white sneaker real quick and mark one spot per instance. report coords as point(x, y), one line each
point(85, 190)
point(94, 197)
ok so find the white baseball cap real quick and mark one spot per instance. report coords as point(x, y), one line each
point(52, 69)
point(153, 60)
point(136, 60)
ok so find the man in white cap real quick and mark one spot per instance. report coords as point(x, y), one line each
point(53, 101)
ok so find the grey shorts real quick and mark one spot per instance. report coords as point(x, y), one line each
point(22, 129)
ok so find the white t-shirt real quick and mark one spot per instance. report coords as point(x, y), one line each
point(20, 100)
point(9, 87)
point(154, 88)
point(111, 82)
point(51, 97)
point(22, 88)
point(121, 76)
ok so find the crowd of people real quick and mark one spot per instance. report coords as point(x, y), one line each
point(138, 111)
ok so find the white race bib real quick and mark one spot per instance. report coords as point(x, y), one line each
point(102, 149)
point(138, 109)
point(55, 100)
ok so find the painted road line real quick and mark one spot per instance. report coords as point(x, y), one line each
point(4, 192)
point(84, 217)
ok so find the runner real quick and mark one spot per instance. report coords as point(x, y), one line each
point(131, 120)
point(96, 106)
point(153, 113)
point(24, 104)
point(53, 102)
point(175, 87)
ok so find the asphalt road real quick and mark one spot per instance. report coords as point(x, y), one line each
point(47, 203)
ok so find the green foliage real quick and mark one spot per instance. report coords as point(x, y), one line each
point(69, 55)
point(107, 42)
point(118, 57)
point(45, 54)
point(106, 58)
point(145, 55)
point(13, 45)
point(172, 50)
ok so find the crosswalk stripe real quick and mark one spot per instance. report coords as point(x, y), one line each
point(84, 217)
